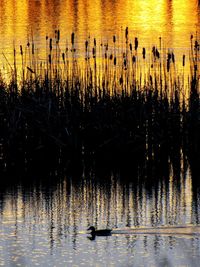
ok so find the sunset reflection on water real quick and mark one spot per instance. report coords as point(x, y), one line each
point(174, 21)
point(46, 224)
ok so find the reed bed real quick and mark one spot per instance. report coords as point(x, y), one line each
point(118, 102)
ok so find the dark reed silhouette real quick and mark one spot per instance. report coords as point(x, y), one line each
point(105, 111)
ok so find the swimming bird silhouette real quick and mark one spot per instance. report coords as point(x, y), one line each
point(102, 232)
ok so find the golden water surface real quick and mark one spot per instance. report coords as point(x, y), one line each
point(173, 20)
point(46, 225)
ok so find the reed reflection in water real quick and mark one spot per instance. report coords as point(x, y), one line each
point(45, 223)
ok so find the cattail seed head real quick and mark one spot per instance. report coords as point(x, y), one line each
point(58, 35)
point(154, 51)
point(50, 44)
point(86, 45)
point(151, 80)
point(72, 38)
point(33, 49)
point(183, 60)
point(126, 32)
point(196, 45)
point(21, 50)
point(93, 50)
point(49, 59)
point(168, 64)
point(169, 56)
point(157, 53)
point(63, 56)
point(143, 52)
point(173, 57)
point(136, 43)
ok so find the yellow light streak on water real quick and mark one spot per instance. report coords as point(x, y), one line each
point(163, 230)
point(174, 21)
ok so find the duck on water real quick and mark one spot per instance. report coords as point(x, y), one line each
point(102, 232)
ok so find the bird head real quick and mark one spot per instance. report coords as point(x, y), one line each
point(91, 228)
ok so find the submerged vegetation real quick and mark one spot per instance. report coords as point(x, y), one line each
point(119, 103)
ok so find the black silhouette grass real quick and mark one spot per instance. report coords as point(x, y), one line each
point(117, 103)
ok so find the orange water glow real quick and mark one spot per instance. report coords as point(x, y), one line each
point(173, 21)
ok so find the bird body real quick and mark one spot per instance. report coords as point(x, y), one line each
point(102, 232)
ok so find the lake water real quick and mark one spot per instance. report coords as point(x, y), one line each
point(173, 21)
point(43, 223)
point(155, 218)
